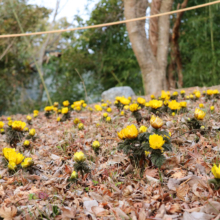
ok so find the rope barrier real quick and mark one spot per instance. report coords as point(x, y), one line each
point(111, 23)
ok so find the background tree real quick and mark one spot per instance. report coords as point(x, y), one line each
point(152, 57)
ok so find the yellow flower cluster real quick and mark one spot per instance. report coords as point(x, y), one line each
point(155, 104)
point(98, 108)
point(165, 95)
point(14, 158)
point(134, 107)
point(141, 101)
point(156, 142)
point(130, 132)
point(65, 110)
point(79, 156)
point(48, 108)
point(174, 105)
point(183, 104)
point(18, 125)
point(124, 101)
point(199, 114)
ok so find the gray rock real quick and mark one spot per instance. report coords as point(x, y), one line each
point(125, 91)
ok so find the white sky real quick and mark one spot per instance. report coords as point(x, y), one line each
point(69, 8)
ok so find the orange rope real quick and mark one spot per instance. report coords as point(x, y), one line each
point(111, 23)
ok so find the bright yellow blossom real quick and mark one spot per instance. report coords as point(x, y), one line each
point(79, 157)
point(1, 124)
point(133, 107)
point(141, 100)
point(142, 129)
point(66, 103)
point(216, 171)
point(156, 122)
point(65, 110)
point(199, 114)
point(95, 144)
point(156, 141)
point(18, 125)
point(155, 104)
point(32, 132)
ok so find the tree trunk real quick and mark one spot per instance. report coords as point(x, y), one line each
point(152, 62)
point(176, 64)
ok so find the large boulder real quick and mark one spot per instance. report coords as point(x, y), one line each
point(125, 91)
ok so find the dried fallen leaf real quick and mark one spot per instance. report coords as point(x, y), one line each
point(182, 190)
point(99, 211)
point(8, 213)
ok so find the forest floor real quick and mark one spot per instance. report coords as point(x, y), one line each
point(114, 189)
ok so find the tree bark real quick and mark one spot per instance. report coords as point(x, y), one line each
point(153, 68)
point(176, 63)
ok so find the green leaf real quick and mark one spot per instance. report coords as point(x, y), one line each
point(157, 159)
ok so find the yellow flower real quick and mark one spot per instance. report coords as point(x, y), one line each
point(197, 94)
point(58, 119)
point(191, 96)
point(215, 92)
point(155, 104)
point(79, 157)
point(65, 110)
point(9, 118)
point(76, 121)
point(55, 109)
point(98, 108)
point(156, 141)
point(152, 97)
point(164, 95)
point(156, 122)
point(19, 158)
point(209, 92)
point(109, 109)
point(55, 104)
point(126, 107)
point(147, 104)
point(202, 127)
point(90, 109)
point(32, 132)
point(36, 112)
point(18, 125)
point(116, 102)
point(187, 97)
point(80, 126)
point(104, 104)
point(66, 103)
point(216, 171)
point(2, 130)
point(122, 113)
point(1, 124)
point(105, 115)
point(124, 101)
point(108, 119)
point(133, 107)
point(35, 115)
point(183, 104)
point(174, 105)
point(97, 125)
point(130, 132)
point(29, 118)
point(78, 108)
point(199, 114)
point(26, 143)
point(212, 108)
point(74, 175)
point(12, 165)
point(121, 134)
point(84, 105)
point(95, 144)
point(175, 94)
point(7, 151)
point(201, 105)
point(142, 129)
point(173, 113)
point(48, 108)
point(78, 103)
point(27, 162)
point(10, 123)
point(26, 129)
point(182, 92)
point(141, 101)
